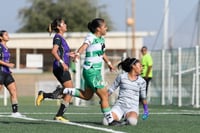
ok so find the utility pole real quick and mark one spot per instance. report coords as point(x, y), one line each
point(133, 30)
point(198, 24)
point(166, 21)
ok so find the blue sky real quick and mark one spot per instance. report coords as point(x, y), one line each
point(148, 14)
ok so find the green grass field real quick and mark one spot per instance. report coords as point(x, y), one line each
point(87, 119)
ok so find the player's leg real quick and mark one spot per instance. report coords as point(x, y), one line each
point(105, 107)
point(147, 84)
point(131, 118)
point(117, 114)
point(61, 76)
point(56, 94)
point(145, 115)
point(65, 80)
point(76, 92)
point(11, 86)
point(42, 95)
point(64, 104)
point(90, 85)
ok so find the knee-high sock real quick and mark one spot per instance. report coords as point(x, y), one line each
point(62, 109)
point(72, 91)
point(108, 114)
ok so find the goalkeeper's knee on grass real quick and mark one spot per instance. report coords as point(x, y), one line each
point(132, 121)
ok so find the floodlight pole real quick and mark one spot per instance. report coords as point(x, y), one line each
point(133, 30)
point(198, 23)
point(165, 41)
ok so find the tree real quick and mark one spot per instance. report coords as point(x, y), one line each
point(76, 12)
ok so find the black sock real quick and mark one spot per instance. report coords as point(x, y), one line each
point(48, 95)
point(14, 108)
point(61, 110)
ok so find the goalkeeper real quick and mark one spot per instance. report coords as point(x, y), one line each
point(131, 87)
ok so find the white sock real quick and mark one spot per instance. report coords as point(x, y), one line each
point(70, 91)
point(108, 116)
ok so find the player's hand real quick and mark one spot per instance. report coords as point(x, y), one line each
point(11, 65)
point(76, 57)
point(72, 54)
point(110, 92)
point(65, 67)
point(112, 68)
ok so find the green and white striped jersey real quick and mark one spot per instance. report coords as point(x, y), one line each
point(94, 52)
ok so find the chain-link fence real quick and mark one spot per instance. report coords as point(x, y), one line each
point(175, 79)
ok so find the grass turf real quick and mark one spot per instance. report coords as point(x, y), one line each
point(162, 119)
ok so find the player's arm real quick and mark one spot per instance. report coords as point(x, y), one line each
point(144, 101)
point(148, 71)
point(80, 51)
point(114, 85)
point(8, 64)
point(105, 58)
point(57, 57)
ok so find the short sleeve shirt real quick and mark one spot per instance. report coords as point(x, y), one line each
point(146, 62)
point(94, 52)
point(63, 50)
point(4, 56)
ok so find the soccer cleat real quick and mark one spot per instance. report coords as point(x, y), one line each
point(61, 119)
point(40, 98)
point(125, 122)
point(145, 116)
point(115, 123)
point(17, 114)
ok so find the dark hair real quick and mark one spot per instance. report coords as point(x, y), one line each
point(144, 47)
point(94, 24)
point(126, 64)
point(53, 26)
point(1, 34)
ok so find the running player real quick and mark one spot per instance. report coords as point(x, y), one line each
point(6, 77)
point(131, 86)
point(61, 53)
point(94, 45)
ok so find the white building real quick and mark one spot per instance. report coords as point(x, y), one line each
point(23, 44)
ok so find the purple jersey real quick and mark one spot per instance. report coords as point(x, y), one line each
point(4, 56)
point(63, 50)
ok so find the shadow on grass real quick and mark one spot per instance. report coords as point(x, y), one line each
point(89, 122)
point(21, 122)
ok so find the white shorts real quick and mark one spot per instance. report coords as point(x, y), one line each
point(122, 111)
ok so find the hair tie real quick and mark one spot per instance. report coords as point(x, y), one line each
point(134, 61)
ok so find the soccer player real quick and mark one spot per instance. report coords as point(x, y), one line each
point(94, 47)
point(6, 77)
point(62, 54)
point(131, 86)
point(147, 64)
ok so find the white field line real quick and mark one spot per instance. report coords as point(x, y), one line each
point(67, 123)
point(6, 114)
point(167, 112)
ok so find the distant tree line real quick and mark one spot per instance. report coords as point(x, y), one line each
point(77, 14)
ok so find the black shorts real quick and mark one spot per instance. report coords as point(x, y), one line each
point(6, 78)
point(62, 76)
